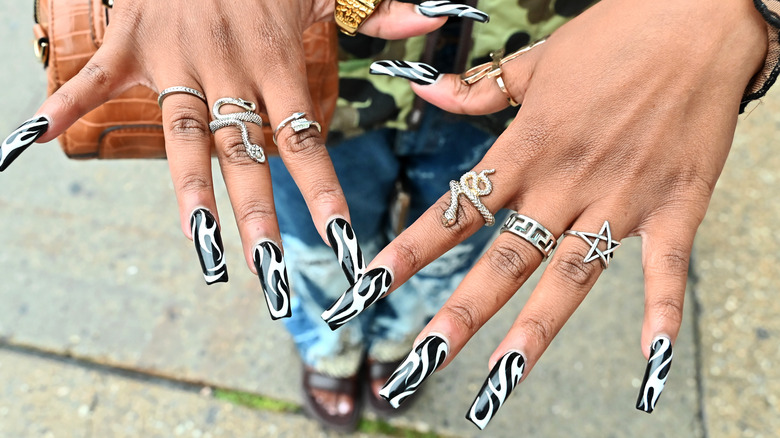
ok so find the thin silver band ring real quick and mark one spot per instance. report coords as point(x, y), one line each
point(180, 90)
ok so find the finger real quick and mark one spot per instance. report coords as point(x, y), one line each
point(573, 270)
point(105, 76)
point(394, 20)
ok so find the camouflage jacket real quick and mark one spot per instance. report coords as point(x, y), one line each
point(369, 102)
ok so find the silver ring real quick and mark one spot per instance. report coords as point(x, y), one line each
point(238, 119)
point(532, 231)
point(592, 239)
point(297, 123)
point(180, 90)
point(472, 185)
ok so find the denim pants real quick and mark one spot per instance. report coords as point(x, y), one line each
point(368, 167)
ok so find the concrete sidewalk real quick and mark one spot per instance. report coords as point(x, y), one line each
point(106, 327)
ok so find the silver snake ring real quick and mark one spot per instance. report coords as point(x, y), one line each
point(237, 119)
point(472, 185)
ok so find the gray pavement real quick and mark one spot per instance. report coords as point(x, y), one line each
point(95, 267)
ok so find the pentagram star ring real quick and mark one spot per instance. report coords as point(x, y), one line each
point(592, 239)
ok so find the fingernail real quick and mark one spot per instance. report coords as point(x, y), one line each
point(657, 371)
point(417, 72)
point(503, 378)
point(418, 366)
point(369, 288)
point(344, 243)
point(21, 139)
point(272, 272)
point(444, 8)
point(208, 244)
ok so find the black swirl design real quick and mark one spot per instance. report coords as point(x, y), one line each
point(417, 72)
point(369, 288)
point(344, 243)
point(272, 272)
point(503, 378)
point(657, 372)
point(418, 366)
point(21, 139)
point(444, 8)
point(208, 245)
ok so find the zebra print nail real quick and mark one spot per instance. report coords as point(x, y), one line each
point(21, 139)
point(344, 243)
point(503, 378)
point(369, 288)
point(208, 245)
point(657, 371)
point(444, 8)
point(272, 272)
point(418, 366)
point(417, 72)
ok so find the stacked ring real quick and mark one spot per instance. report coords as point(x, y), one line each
point(179, 90)
point(531, 231)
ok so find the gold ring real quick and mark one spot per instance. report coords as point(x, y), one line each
point(350, 14)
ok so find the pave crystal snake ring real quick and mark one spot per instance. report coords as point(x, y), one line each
point(179, 90)
point(532, 231)
point(298, 123)
point(472, 185)
point(592, 239)
point(239, 119)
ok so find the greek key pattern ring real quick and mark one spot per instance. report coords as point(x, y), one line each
point(238, 119)
point(472, 185)
point(531, 231)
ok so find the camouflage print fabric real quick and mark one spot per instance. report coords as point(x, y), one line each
point(370, 102)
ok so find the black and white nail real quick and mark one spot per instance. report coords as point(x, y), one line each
point(657, 372)
point(272, 272)
point(417, 72)
point(418, 366)
point(503, 378)
point(344, 243)
point(444, 8)
point(368, 289)
point(21, 139)
point(208, 245)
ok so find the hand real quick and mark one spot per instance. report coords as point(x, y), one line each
point(628, 113)
point(252, 51)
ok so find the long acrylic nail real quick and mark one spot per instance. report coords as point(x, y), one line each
point(21, 139)
point(503, 378)
point(342, 239)
point(418, 366)
point(444, 8)
point(272, 272)
point(369, 288)
point(657, 372)
point(208, 244)
point(417, 72)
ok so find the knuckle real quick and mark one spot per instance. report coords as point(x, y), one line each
point(67, 100)
point(96, 75)
point(673, 261)
point(222, 35)
point(407, 254)
point(187, 123)
point(192, 183)
point(465, 316)
point(668, 309)
point(467, 217)
point(571, 267)
point(304, 143)
point(508, 261)
point(323, 195)
point(254, 211)
point(538, 328)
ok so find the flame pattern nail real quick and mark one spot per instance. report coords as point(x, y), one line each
point(444, 8)
point(369, 288)
point(503, 378)
point(418, 366)
point(657, 372)
point(342, 239)
point(21, 139)
point(272, 271)
point(208, 245)
point(417, 72)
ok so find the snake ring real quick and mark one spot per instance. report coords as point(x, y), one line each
point(238, 119)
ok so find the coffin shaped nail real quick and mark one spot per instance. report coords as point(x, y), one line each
point(21, 139)
point(418, 366)
point(369, 288)
point(272, 272)
point(417, 72)
point(657, 372)
point(344, 243)
point(444, 8)
point(503, 378)
point(208, 244)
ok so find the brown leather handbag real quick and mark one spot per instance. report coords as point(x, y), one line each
point(69, 32)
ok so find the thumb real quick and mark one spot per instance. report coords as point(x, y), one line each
point(394, 20)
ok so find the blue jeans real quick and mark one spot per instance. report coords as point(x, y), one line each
point(368, 167)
